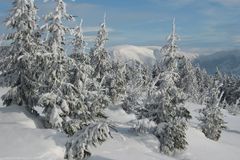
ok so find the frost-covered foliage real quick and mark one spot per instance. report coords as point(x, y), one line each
point(211, 118)
point(137, 87)
point(134, 100)
point(171, 47)
point(165, 102)
point(171, 136)
point(58, 95)
point(91, 91)
point(17, 63)
point(165, 108)
point(56, 30)
point(77, 148)
point(234, 109)
point(99, 56)
point(144, 126)
point(116, 83)
point(230, 86)
point(203, 84)
point(188, 80)
point(79, 44)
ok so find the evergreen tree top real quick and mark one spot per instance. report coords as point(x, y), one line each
point(171, 47)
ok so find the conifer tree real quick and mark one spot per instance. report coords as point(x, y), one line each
point(18, 63)
point(137, 86)
point(99, 57)
point(77, 148)
point(188, 81)
point(204, 82)
point(212, 121)
point(57, 95)
point(117, 81)
point(56, 30)
point(165, 108)
point(165, 102)
point(79, 45)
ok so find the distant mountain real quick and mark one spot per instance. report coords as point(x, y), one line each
point(226, 61)
point(145, 54)
point(126, 53)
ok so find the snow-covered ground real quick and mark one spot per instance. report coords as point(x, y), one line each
point(22, 139)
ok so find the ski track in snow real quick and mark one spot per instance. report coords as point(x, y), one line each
point(20, 139)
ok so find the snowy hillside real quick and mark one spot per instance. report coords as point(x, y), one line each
point(227, 61)
point(125, 53)
point(21, 138)
point(144, 54)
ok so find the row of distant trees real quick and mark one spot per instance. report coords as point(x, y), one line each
point(69, 91)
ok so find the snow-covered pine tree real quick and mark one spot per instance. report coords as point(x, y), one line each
point(218, 76)
point(212, 121)
point(56, 30)
point(100, 61)
point(165, 108)
point(83, 69)
point(230, 87)
point(233, 109)
point(188, 81)
point(165, 102)
point(90, 91)
point(79, 45)
point(134, 99)
point(18, 63)
point(77, 148)
point(204, 82)
point(58, 96)
point(117, 81)
point(170, 49)
point(137, 87)
point(99, 57)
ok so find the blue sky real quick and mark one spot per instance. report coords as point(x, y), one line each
point(205, 26)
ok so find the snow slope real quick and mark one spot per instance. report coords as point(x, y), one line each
point(128, 145)
point(22, 139)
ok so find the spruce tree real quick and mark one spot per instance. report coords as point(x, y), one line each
point(55, 28)
point(77, 148)
point(99, 57)
point(166, 100)
point(17, 66)
point(165, 108)
point(212, 121)
point(100, 61)
point(188, 81)
point(137, 80)
point(57, 95)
